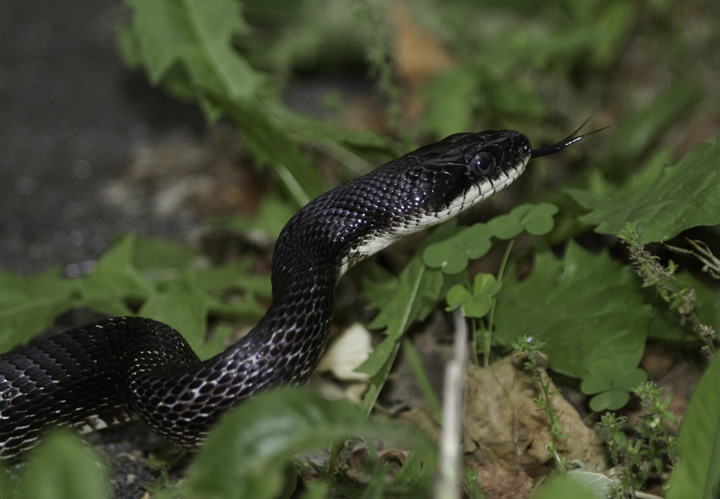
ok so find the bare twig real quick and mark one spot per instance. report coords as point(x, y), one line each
point(448, 484)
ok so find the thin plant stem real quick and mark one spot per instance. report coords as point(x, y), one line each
point(414, 359)
point(487, 336)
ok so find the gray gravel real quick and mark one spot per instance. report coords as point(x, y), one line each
point(71, 117)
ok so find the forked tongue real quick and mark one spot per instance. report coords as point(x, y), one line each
point(570, 139)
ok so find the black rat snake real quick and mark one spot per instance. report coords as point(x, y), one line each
point(105, 372)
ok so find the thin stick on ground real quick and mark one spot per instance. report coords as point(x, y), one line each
point(448, 484)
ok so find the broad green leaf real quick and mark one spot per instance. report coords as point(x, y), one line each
point(182, 306)
point(17, 289)
point(584, 308)
point(504, 226)
point(29, 305)
point(412, 473)
point(197, 36)
point(698, 473)
point(273, 213)
point(575, 485)
point(114, 280)
point(64, 467)
point(187, 46)
point(611, 400)
point(183, 310)
point(232, 276)
point(246, 454)
point(153, 254)
point(661, 201)
point(218, 283)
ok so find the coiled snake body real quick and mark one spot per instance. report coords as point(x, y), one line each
point(105, 372)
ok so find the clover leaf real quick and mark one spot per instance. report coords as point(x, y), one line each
point(612, 380)
point(453, 254)
point(475, 302)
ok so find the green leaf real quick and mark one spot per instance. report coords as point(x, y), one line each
point(576, 485)
point(638, 129)
point(478, 302)
point(611, 400)
point(114, 280)
point(698, 473)
point(273, 213)
point(608, 374)
point(612, 380)
point(181, 309)
point(65, 467)
point(409, 297)
point(271, 144)
point(402, 300)
point(661, 200)
point(29, 305)
point(246, 454)
point(197, 36)
point(187, 46)
point(310, 129)
point(412, 473)
point(453, 253)
point(153, 254)
point(583, 308)
point(450, 99)
point(667, 325)
point(232, 276)
point(536, 219)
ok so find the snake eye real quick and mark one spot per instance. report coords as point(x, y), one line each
point(481, 163)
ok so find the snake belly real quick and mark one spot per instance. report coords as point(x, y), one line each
point(108, 371)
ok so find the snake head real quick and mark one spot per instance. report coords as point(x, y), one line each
point(420, 189)
point(465, 168)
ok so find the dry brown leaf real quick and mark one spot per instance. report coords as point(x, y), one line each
point(502, 483)
point(504, 426)
point(422, 419)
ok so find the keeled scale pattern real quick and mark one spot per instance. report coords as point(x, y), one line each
point(102, 373)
